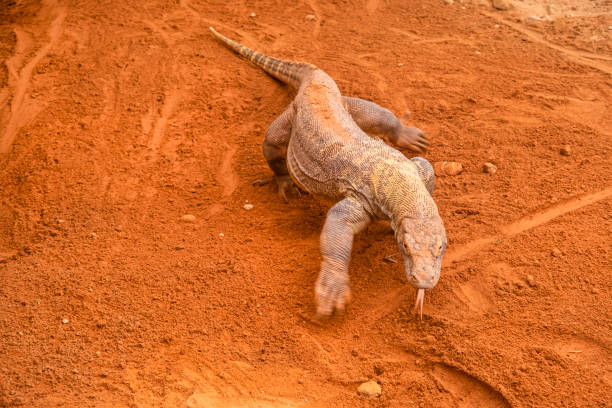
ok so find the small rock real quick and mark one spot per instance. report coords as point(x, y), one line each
point(370, 389)
point(500, 4)
point(565, 150)
point(93, 235)
point(594, 291)
point(609, 27)
point(118, 228)
point(310, 17)
point(477, 52)
point(429, 339)
point(449, 2)
point(496, 26)
point(378, 369)
point(248, 206)
point(65, 321)
point(221, 235)
point(101, 324)
point(188, 218)
point(556, 252)
point(533, 18)
point(489, 168)
point(446, 168)
point(531, 281)
point(252, 15)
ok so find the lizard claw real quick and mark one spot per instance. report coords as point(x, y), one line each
point(331, 293)
point(262, 182)
point(285, 185)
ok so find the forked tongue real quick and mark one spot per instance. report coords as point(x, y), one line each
point(419, 302)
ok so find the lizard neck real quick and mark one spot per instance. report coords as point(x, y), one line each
point(400, 193)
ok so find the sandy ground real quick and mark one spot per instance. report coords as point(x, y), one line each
point(117, 118)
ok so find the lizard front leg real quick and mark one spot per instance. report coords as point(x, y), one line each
point(345, 219)
point(372, 118)
point(275, 150)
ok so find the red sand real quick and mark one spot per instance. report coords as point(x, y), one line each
point(116, 120)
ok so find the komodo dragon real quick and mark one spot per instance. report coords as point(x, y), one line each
point(320, 143)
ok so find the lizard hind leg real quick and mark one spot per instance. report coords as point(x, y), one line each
point(372, 118)
point(426, 172)
point(275, 150)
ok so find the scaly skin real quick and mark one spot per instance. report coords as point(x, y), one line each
point(320, 144)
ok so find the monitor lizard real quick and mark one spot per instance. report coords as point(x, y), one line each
point(320, 144)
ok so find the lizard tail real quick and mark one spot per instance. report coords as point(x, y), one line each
point(288, 72)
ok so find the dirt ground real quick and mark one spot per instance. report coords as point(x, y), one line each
point(118, 118)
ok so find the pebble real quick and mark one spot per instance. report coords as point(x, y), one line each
point(93, 235)
point(449, 2)
point(370, 389)
point(500, 4)
point(221, 235)
point(531, 281)
point(565, 150)
point(310, 17)
point(556, 252)
point(609, 27)
point(447, 168)
point(489, 168)
point(594, 291)
point(429, 339)
point(252, 15)
point(188, 218)
point(248, 206)
point(64, 321)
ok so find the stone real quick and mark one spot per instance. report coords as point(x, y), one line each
point(531, 281)
point(565, 150)
point(310, 17)
point(556, 252)
point(65, 321)
point(252, 15)
point(429, 339)
point(370, 389)
point(447, 168)
point(500, 4)
point(449, 2)
point(188, 218)
point(489, 168)
point(248, 206)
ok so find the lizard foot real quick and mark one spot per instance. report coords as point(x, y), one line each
point(331, 293)
point(285, 186)
point(410, 137)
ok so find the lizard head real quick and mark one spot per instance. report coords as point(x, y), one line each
point(422, 242)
